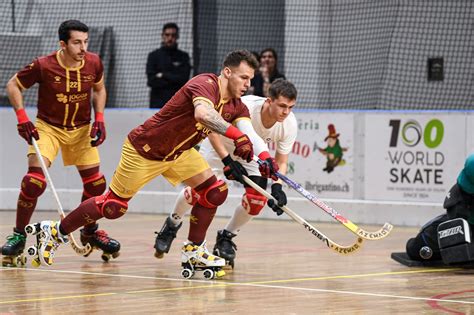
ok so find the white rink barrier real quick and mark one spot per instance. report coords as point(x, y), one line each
point(396, 166)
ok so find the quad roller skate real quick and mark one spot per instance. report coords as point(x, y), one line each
point(225, 247)
point(196, 257)
point(99, 239)
point(48, 239)
point(12, 251)
point(165, 237)
point(33, 249)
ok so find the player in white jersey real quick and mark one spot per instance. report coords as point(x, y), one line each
point(271, 121)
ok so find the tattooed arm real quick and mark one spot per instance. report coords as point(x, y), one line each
point(205, 114)
point(209, 117)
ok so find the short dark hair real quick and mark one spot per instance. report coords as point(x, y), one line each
point(234, 58)
point(282, 87)
point(66, 27)
point(171, 25)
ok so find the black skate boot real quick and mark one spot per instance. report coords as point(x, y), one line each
point(225, 247)
point(12, 250)
point(99, 239)
point(165, 237)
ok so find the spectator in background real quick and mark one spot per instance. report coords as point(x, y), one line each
point(167, 68)
point(268, 72)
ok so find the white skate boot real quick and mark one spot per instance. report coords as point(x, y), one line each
point(48, 240)
point(197, 257)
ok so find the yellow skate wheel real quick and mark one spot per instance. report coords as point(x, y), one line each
point(7, 261)
point(220, 273)
point(159, 255)
point(36, 262)
point(19, 261)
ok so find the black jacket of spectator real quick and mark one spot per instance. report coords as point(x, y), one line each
point(167, 71)
point(257, 82)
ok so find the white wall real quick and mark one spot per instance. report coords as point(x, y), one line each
point(365, 159)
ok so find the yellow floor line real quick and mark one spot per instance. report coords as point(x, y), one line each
point(213, 284)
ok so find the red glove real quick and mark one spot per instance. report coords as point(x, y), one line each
point(98, 130)
point(243, 145)
point(269, 166)
point(26, 128)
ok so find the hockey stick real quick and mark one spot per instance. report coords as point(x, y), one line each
point(329, 243)
point(354, 228)
point(75, 246)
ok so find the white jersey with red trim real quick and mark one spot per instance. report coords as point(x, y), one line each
point(283, 134)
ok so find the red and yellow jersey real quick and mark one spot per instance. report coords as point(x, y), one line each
point(173, 129)
point(64, 96)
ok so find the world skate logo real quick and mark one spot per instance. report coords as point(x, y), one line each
point(450, 232)
point(412, 132)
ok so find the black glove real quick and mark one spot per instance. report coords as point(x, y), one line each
point(271, 203)
point(27, 130)
point(233, 170)
point(280, 197)
point(279, 194)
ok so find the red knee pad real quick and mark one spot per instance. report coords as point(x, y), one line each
point(111, 206)
point(190, 195)
point(214, 194)
point(252, 201)
point(94, 185)
point(32, 185)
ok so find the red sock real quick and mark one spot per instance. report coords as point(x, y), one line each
point(201, 217)
point(86, 214)
point(26, 206)
point(84, 175)
point(200, 221)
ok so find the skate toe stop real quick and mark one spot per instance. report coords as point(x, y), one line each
point(35, 263)
point(220, 273)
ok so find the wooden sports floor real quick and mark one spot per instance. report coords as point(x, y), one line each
point(280, 269)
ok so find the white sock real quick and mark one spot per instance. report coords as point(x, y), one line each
point(181, 207)
point(239, 219)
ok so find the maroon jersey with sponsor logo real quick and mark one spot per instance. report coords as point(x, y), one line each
point(64, 96)
point(173, 129)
